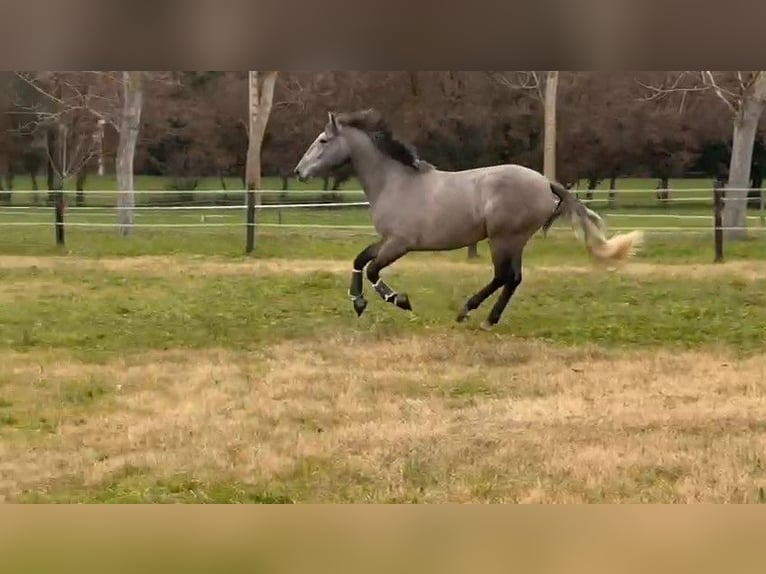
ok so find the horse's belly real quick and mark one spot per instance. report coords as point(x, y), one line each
point(439, 222)
point(452, 233)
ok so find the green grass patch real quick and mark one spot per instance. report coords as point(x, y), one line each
point(134, 486)
point(106, 313)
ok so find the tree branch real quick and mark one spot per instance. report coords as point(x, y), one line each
point(658, 92)
point(525, 81)
point(709, 80)
point(37, 88)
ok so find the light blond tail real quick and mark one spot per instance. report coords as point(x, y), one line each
point(608, 251)
point(617, 249)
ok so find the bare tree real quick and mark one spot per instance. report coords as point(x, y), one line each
point(543, 87)
point(130, 122)
point(743, 93)
point(100, 97)
point(549, 141)
point(57, 111)
point(261, 97)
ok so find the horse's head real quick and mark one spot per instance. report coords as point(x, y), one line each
point(328, 151)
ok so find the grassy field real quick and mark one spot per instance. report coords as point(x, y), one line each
point(209, 379)
point(168, 367)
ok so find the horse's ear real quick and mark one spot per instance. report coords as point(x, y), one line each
point(333, 121)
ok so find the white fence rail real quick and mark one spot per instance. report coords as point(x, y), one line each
point(219, 191)
point(10, 213)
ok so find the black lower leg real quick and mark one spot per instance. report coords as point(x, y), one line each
point(381, 288)
point(356, 288)
point(501, 273)
point(390, 296)
point(356, 292)
point(512, 283)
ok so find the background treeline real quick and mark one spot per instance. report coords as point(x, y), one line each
point(194, 125)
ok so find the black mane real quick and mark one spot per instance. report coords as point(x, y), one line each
point(372, 123)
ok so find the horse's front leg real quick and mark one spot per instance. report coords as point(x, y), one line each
point(389, 251)
point(356, 289)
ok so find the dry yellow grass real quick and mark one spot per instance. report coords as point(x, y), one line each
point(447, 417)
point(179, 265)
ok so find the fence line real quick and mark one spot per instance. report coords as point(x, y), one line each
point(342, 191)
point(188, 207)
point(107, 211)
point(74, 208)
point(666, 216)
point(193, 201)
point(80, 224)
point(332, 226)
point(706, 201)
point(110, 209)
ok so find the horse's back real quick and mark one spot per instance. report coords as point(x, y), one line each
point(509, 174)
point(516, 199)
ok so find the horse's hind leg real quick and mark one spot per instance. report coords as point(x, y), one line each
point(389, 251)
point(513, 280)
point(356, 289)
point(502, 268)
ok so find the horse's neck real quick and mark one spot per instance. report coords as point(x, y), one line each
point(372, 185)
point(371, 168)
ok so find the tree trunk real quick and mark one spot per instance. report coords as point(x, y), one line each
point(755, 195)
point(745, 128)
point(549, 155)
point(261, 97)
point(56, 143)
point(662, 190)
point(82, 175)
point(735, 208)
point(130, 122)
point(32, 166)
point(51, 173)
point(9, 177)
point(592, 185)
point(612, 190)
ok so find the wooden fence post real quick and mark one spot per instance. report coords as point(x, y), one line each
point(59, 217)
point(717, 219)
point(250, 221)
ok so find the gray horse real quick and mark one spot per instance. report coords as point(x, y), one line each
point(416, 207)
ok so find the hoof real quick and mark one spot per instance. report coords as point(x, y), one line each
point(486, 326)
point(360, 304)
point(463, 315)
point(403, 302)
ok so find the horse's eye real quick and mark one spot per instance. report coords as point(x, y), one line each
point(323, 141)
